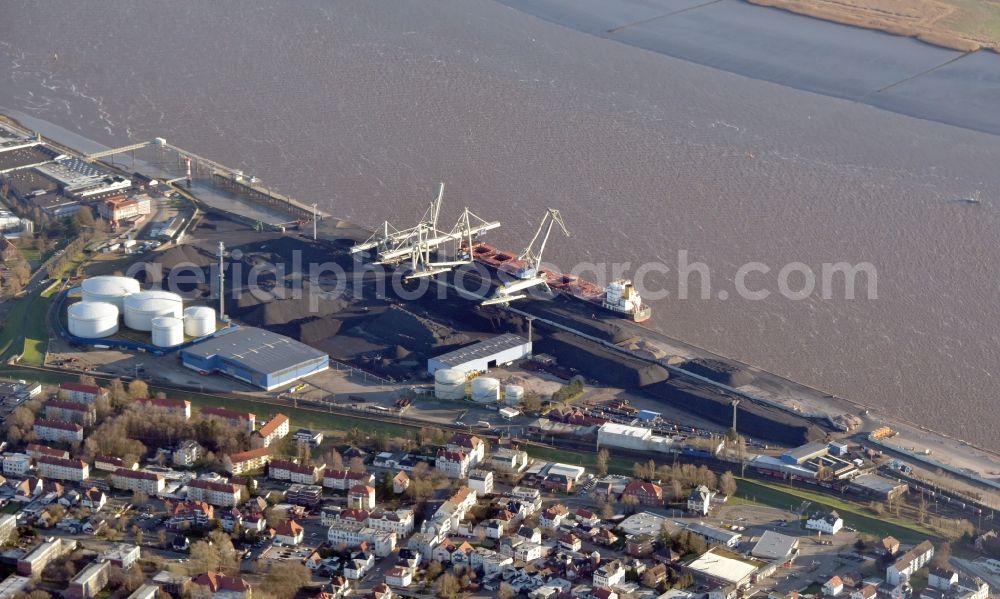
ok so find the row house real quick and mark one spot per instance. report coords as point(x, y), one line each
point(361, 497)
point(273, 431)
point(215, 493)
point(137, 480)
point(470, 445)
point(81, 393)
point(297, 473)
point(70, 411)
point(220, 586)
point(109, 463)
point(61, 469)
point(400, 482)
point(93, 498)
point(180, 408)
point(453, 464)
point(247, 461)
point(122, 555)
point(586, 518)
point(289, 533)
point(490, 562)
point(8, 525)
point(645, 493)
point(354, 534)
point(700, 500)
point(187, 453)
point(342, 480)
point(35, 561)
point(450, 513)
point(246, 421)
point(553, 516)
point(609, 574)
point(400, 521)
point(17, 464)
point(58, 431)
point(509, 460)
point(399, 576)
point(36, 451)
point(359, 564)
point(828, 523)
point(90, 581)
point(305, 495)
point(189, 514)
point(900, 571)
point(481, 481)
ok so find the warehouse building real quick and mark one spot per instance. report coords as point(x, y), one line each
point(255, 356)
point(484, 355)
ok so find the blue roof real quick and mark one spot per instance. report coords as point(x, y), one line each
point(647, 415)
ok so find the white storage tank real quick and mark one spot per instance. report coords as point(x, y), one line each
point(167, 331)
point(485, 389)
point(93, 320)
point(199, 321)
point(449, 383)
point(513, 394)
point(109, 289)
point(141, 308)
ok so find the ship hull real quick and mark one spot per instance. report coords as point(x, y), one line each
point(506, 263)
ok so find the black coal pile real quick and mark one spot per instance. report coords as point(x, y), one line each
point(597, 362)
point(727, 373)
point(315, 329)
point(757, 421)
point(398, 326)
point(596, 325)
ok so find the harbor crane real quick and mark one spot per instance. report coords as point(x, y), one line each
point(530, 261)
point(418, 244)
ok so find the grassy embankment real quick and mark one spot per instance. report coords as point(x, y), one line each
point(854, 515)
point(25, 331)
point(963, 25)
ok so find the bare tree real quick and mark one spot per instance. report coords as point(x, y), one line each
point(602, 461)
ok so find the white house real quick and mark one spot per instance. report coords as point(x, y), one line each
point(900, 571)
point(399, 577)
point(829, 523)
point(609, 574)
point(289, 533)
point(700, 500)
point(481, 481)
point(359, 565)
point(454, 464)
point(471, 445)
point(833, 587)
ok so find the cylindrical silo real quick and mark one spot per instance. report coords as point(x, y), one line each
point(449, 384)
point(167, 331)
point(485, 389)
point(199, 321)
point(141, 308)
point(93, 320)
point(513, 394)
point(109, 289)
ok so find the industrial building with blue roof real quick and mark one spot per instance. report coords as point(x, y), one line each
point(255, 356)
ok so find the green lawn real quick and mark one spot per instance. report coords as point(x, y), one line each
point(853, 514)
point(25, 331)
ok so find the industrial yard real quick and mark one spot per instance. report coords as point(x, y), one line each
point(386, 336)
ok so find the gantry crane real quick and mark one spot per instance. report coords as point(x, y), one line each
point(528, 273)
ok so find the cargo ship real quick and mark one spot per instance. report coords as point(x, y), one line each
point(620, 296)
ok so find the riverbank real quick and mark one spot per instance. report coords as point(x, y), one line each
point(954, 24)
point(856, 61)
